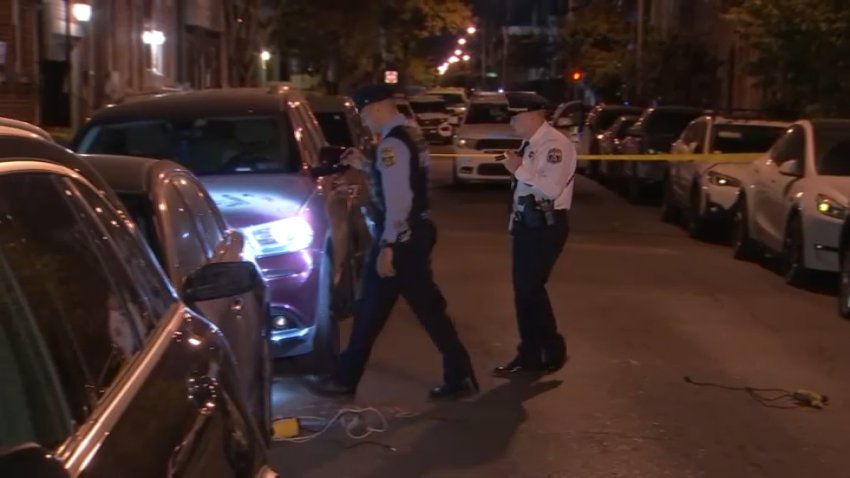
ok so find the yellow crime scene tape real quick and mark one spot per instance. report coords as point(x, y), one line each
point(714, 157)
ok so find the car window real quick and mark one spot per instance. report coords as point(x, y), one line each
point(488, 113)
point(184, 249)
point(205, 146)
point(832, 150)
point(742, 138)
point(207, 216)
point(32, 407)
point(668, 123)
point(336, 128)
point(421, 107)
point(623, 127)
point(65, 265)
point(791, 146)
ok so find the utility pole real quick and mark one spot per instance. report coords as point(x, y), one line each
point(639, 50)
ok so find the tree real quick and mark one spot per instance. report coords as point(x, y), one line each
point(800, 51)
point(679, 69)
point(251, 26)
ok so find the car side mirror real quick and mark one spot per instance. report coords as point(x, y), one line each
point(219, 280)
point(330, 162)
point(791, 168)
point(30, 459)
point(564, 122)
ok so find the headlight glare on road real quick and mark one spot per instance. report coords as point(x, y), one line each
point(830, 207)
point(279, 237)
point(718, 179)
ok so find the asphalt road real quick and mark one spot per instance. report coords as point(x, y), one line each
point(642, 306)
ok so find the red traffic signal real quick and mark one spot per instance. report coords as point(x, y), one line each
point(577, 75)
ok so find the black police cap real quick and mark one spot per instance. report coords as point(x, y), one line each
point(525, 102)
point(366, 95)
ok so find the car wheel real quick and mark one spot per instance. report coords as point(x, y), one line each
point(844, 285)
point(793, 262)
point(669, 211)
point(697, 227)
point(326, 336)
point(456, 181)
point(743, 246)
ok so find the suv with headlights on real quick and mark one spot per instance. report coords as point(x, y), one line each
point(253, 149)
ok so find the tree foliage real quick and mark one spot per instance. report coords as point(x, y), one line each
point(800, 50)
point(251, 26)
point(348, 42)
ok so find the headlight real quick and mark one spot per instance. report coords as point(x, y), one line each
point(279, 237)
point(830, 207)
point(718, 179)
point(466, 143)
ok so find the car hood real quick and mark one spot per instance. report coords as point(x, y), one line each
point(248, 200)
point(481, 131)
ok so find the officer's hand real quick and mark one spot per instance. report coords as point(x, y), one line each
point(513, 161)
point(354, 158)
point(385, 262)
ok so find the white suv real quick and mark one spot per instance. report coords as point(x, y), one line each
point(486, 130)
point(701, 192)
point(795, 199)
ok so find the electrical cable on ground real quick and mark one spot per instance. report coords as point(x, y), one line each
point(352, 420)
point(793, 399)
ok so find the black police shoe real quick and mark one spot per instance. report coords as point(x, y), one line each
point(519, 366)
point(556, 356)
point(330, 386)
point(455, 391)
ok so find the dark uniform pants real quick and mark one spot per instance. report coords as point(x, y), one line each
point(534, 254)
point(415, 282)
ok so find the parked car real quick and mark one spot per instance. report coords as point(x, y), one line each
point(485, 130)
point(100, 354)
point(611, 142)
point(702, 193)
point(599, 119)
point(654, 132)
point(340, 123)
point(568, 118)
point(252, 148)
point(31, 129)
point(456, 101)
point(185, 230)
point(434, 118)
point(794, 202)
point(404, 108)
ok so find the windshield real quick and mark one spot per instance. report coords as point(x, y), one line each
point(832, 149)
point(217, 145)
point(669, 123)
point(606, 117)
point(452, 99)
point(488, 113)
point(622, 126)
point(428, 107)
point(744, 138)
point(335, 128)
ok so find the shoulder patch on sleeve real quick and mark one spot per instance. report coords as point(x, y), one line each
point(387, 156)
point(555, 155)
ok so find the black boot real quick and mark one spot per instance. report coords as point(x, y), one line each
point(555, 355)
point(454, 391)
point(519, 366)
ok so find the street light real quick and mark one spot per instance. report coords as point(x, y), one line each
point(153, 37)
point(265, 55)
point(465, 57)
point(454, 59)
point(458, 52)
point(461, 41)
point(471, 30)
point(81, 12)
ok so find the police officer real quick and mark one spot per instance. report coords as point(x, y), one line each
point(399, 262)
point(543, 171)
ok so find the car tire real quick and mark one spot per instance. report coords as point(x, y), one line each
point(844, 284)
point(696, 222)
point(793, 259)
point(456, 182)
point(669, 211)
point(326, 340)
point(743, 246)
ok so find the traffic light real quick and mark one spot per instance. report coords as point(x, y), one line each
point(576, 76)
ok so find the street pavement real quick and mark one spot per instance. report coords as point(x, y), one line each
point(642, 306)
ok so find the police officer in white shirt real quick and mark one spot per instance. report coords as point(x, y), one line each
point(543, 172)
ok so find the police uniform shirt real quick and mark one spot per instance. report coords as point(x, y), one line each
point(548, 164)
point(396, 196)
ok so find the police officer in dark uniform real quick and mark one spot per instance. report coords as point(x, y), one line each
point(399, 262)
point(543, 173)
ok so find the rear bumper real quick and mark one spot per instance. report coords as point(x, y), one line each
point(480, 169)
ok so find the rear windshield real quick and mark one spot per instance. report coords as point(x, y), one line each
point(428, 107)
point(206, 146)
point(744, 138)
point(669, 123)
point(488, 113)
point(335, 128)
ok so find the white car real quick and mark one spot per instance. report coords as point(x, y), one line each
point(795, 200)
point(434, 118)
point(702, 193)
point(485, 133)
point(456, 101)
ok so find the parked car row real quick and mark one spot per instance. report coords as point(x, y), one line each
point(152, 275)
